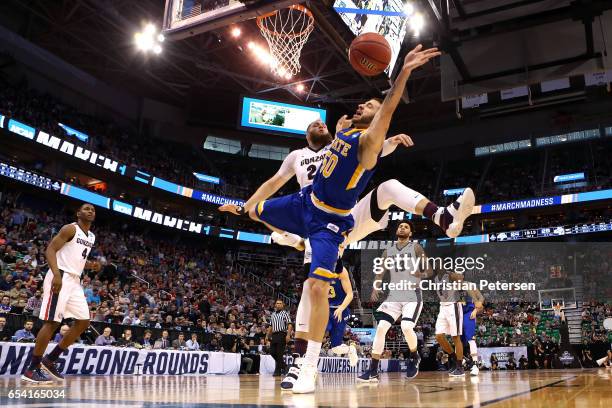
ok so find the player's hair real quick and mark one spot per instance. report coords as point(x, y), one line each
point(410, 224)
point(84, 204)
point(379, 100)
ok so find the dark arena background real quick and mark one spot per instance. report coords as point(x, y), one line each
point(154, 122)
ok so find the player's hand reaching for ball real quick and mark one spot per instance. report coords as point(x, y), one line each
point(418, 57)
point(232, 208)
point(401, 139)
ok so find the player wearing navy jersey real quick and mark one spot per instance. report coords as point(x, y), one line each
point(471, 307)
point(340, 297)
point(63, 295)
point(342, 177)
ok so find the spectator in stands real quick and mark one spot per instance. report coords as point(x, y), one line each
point(523, 363)
point(146, 342)
point(180, 343)
point(34, 304)
point(25, 333)
point(192, 344)
point(7, 283)
point(105, 339)
point(131, 319)
point(494, 362)
point(587, 359)
point(4, 331)
point(5, 305)
point(511, 364)
point(126, 339)
point(63, 330)
point(163, 342)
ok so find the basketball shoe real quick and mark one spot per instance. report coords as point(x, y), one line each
point(307, 379)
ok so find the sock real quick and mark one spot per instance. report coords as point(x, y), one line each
point(55, 353)
point(35, 362)
point(392, 192)
point(300, 346)
point(312, 352)
point(429, 210)
point(374, 365)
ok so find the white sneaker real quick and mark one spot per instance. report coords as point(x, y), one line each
point(288, 239)
point(466, 205)
point(474, 370)
point(307, 379)
point(352, 356)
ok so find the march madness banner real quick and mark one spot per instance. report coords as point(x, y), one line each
point(502, 354)
point(94, 360)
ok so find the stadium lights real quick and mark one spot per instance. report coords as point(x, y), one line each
point(408, 9)
point(300, 87)
point(264, 57)
point(236, 31)
point(416, 22)
point(149, 40)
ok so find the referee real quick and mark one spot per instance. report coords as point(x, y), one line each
point(279, 334)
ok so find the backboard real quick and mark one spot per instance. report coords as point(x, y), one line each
point(186, 18)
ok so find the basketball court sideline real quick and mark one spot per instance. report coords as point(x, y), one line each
point(429, 389)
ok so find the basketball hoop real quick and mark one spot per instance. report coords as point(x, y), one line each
point(286, 32)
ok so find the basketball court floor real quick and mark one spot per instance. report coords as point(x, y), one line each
point(551, 388)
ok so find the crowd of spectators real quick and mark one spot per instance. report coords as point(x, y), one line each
point(496, 178)
point(134, 280)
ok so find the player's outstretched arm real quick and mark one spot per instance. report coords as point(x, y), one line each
point(267, 189)
point(371, 143)
point(66, 233)
point(391, 143)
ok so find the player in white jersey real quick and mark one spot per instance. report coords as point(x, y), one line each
point(63, 295)
point(406, 303)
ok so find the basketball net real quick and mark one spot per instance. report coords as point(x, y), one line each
point(286, 32)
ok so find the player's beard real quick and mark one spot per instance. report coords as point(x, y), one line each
point(362, 121)
point(403, 236)
point(320, 140)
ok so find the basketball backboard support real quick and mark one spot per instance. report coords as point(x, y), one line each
point(186, 18)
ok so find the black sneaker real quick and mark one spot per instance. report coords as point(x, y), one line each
point(36, 376)
point(368, 377)
point(413, 366)
point(457, 372)
point(50, 367)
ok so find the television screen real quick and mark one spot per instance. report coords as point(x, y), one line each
point(378, 16)
point(277, 116)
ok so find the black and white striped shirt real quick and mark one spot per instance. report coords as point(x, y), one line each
point(279, 321)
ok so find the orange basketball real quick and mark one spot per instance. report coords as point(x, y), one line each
point(370, 54)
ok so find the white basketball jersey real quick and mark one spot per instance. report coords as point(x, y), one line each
point(404, 272)
point(72, 256)
point(306, 163)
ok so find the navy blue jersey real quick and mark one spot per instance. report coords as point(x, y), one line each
point(341, 179)
point(468, 305)
point(336, 291)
